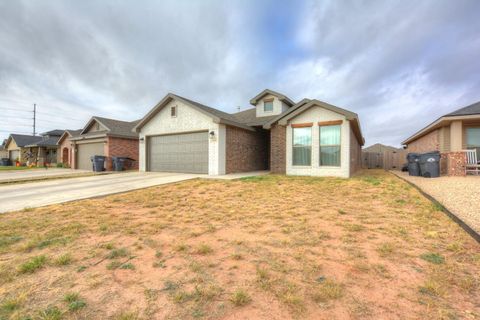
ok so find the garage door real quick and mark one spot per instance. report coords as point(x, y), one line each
point(186, 152)
point(85, 151)
point(14, 155)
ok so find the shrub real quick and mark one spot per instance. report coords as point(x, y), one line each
point(33, 264)
point(240, 298)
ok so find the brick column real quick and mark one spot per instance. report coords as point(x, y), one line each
point(453, 163)
point(278, 150)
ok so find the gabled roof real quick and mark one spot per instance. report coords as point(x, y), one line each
point(216, 115)
point(22, 140)
point(306, 104)
point(69, 133)
point(378, 147)
point(117, 128)
point(469, 112)
point(265, 92)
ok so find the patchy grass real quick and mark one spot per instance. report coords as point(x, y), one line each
point(270, 247)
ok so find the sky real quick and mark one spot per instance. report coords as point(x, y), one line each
point(398, 64)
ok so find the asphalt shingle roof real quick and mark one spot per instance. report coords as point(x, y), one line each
point(49, 142)
point(56, 132)
point(118, 127)
point(22, 140)
point(468, 110)
point(249, 118)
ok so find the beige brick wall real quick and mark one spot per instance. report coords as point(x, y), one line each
point(429, 142)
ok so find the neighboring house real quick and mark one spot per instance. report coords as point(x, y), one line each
point(17, 149)
point(3, 151)
point(380, 148)
point(310, 137)
point(65, 150)
point(46, 148)
point(450, 134)
point(104, 137)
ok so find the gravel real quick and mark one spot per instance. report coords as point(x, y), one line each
point(460, 195)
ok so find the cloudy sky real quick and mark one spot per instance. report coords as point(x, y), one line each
point(398, 64)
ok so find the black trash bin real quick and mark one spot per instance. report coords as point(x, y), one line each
point(5, 162)
point(119, 163)
point(413, 165)
point(430, 164)
point(98, 163)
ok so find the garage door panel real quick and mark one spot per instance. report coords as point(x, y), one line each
point(186, 152)
point(86, 151)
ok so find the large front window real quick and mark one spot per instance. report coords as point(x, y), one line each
point(473, 140)
point(302, 146)
point(330, 145)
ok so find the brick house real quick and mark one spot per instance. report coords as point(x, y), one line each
point(103, 137)
point(450, 134)
point(310, 137)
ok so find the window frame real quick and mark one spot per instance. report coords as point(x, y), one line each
point(320, 145)
point(268, 101)
point(302, 126)
point(173, 111)
point(471, 146)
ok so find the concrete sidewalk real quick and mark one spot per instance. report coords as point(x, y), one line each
point(30, 195)
point(38, 174)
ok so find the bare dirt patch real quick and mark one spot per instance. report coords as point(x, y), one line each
point(269, 247)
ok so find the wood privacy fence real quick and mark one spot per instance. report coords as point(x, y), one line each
point(388, 160)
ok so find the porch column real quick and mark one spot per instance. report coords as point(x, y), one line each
point(456, 136)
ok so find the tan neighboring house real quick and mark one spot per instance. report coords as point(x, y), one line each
point(102, 137)
point(3, 151)
point(380, 148)
point(311, 137)
point(450, 134)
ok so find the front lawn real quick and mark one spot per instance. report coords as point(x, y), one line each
point(270, 247)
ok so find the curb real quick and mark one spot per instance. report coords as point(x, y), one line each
point(450, 214)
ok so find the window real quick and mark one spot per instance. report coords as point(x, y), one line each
point(268, 105)
point(330, 145)
point(473, 140)
point(302, 146)
point(173, 111)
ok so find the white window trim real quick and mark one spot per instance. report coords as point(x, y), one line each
point(268, 111)
point(311, 150)
point(329, 145)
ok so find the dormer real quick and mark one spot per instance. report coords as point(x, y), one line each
point(271, 103)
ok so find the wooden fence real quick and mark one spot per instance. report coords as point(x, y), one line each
point(388, 160)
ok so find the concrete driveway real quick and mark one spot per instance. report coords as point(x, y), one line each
point(37, 194)
point(36, 174)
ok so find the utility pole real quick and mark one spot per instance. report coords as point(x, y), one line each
point(34, 117)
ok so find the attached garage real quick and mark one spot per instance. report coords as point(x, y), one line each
point(14, 155)
point(86, 151)
point(186, 152)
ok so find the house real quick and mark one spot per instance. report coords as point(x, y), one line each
point(380, 148)
point(65, 152)
point(450, 134)
point(33, 150)
point(310, 137)
point(3, 151)
point(104, 137)
point(382, 156)
point(45, 148)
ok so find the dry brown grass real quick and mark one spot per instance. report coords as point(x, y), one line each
point(270, 247)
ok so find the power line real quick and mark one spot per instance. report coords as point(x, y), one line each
point(11, 109)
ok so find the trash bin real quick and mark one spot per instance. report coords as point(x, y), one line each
point(98, 163)
point(413, 166)
point(5, 162)
point(430, 164)
point(119, 163)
